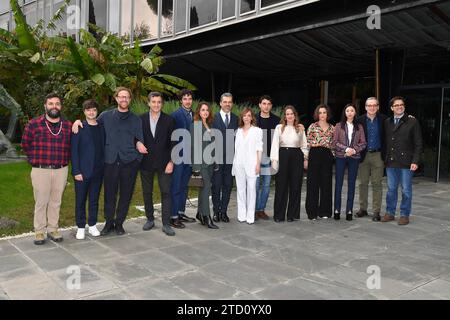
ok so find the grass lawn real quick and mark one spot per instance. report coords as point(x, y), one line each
point(17, 202)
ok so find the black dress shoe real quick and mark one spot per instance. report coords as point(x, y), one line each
point(200, 218)
point(361, 213)
point(119, 229)
point(216, 217)
point(277, 220)
point(376, 217)
point(109, 227)
point(184, 218)
point(290, 220)
point(209, 223)
point(148, 225)
point(224, 217)
point(176, 223)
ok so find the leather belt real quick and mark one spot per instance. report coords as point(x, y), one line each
point(50, 166)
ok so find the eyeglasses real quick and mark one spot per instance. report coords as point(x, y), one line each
point(371, 105)
point(398, 105)
point(123, 98)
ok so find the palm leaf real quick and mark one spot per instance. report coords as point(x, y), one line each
point(176, 81)
point(24, 35)
point(78, 61)
point(58, 16)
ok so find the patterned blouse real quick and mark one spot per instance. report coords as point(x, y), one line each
point(317, 136)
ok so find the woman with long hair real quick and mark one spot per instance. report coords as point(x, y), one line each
point(247, 164)
point(320, 165)
point(289, 155)
point(202, 162)
point(348, 142)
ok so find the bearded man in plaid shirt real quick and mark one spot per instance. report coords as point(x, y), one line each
point(46, 142)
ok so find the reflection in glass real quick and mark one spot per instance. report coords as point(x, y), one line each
point(247, 6)
point(125, 21)
point(114, 16)
point(97, 13)
point(61, 25)
point(203, 12)
point(180, 15)
point(4, 6)
point(30, 13)
point(167, 19)
point(266, 3)
point(145, 19)
point(228, 8)
point(4, 19)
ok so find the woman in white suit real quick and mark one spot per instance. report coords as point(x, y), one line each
point(246, 164)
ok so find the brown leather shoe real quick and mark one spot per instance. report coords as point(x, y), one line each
point(257, 215)
point(263, 216)
point(387, 217)
point(403, 221)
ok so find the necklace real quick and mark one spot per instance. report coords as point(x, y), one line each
point(54, 134)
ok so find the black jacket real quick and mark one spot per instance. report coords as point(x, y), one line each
point(227, 145)
point(381, 119)
point(403, 142)
point(159, 147)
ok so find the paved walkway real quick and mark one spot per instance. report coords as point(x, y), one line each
point(325, 259)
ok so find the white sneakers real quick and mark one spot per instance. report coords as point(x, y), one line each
point(93, 231)
point(80, 234)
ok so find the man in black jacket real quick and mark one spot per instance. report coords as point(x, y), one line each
point(372, 159)
point(157, 128)
point(403, 150)
point(267, 121)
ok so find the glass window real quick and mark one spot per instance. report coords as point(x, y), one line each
point(97, 13)
point(4, 6)
point(125, 21)
point(180, 15)
point(203, 12)
point(4, 21)
point(114, 16)
point(167, 18)
point(145, 19)
point(228, 8)
point(266, 3)
point(247, 6)
point(30, 13)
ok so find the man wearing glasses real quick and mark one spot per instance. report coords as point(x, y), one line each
point(372, 166)
point(403, 150)
point(123, 153)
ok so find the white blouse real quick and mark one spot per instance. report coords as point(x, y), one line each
point(245, 150)
point(289, 138)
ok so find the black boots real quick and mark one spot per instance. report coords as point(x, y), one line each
point(349, 216)
point(209, 222)
point(200, 218)
point(337, 215)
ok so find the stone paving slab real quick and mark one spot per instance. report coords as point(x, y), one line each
point(323, 259)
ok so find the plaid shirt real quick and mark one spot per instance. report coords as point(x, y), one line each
point(43, 148)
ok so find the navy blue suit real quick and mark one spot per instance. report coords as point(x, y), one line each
point(88, 162)
point(222, 180)
point(181, 171)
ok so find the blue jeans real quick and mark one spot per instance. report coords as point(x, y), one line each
point(179, 188)
point(262, 188)
point(352, 164)
point(396, 176)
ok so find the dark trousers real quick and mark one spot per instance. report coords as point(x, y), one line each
point(179, 188)
point(222, 182)
point(91, 187)
point(164, 181)
point(120, 178)
point(319, 184)
point(205, 191)
point(352, 165)
point(288, 183)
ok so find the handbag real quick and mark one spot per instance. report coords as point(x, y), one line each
point(195, 181)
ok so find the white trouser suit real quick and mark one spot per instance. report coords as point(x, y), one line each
point(244, 169)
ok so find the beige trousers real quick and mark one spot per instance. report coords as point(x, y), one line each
point(48, 188)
